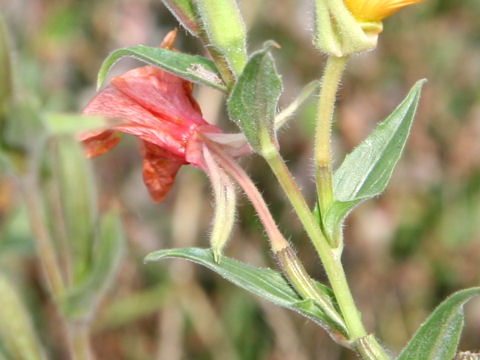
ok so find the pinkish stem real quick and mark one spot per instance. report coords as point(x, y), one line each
point(277, 241)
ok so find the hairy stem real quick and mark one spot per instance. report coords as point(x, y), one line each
point(323, 152)
point(330, 257)
point(288, 260)
point(277, 241)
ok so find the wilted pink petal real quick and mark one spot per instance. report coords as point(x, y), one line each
point(101, 142)
point(159, 170)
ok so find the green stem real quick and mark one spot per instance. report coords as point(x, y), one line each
point(291, 265)
point(323, 153)
point(297, 275)
point(330, 257)
point(277, 240)
point(79, 342)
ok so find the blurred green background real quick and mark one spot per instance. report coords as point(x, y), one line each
point(405, 251)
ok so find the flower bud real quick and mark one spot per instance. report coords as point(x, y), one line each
point(346, 27)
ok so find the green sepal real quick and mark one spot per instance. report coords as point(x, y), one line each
point(254, 98)
point(225, 205)
point(191, 67)
point(337, 32)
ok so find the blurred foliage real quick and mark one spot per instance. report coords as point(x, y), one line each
point(411, 247)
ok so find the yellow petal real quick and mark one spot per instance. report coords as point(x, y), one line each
point(376, 10)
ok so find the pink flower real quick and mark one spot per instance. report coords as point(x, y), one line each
point(158, 108)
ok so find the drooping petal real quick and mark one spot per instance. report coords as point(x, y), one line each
point(159, 170)
point(98, 143)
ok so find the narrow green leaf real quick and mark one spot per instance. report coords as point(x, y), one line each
point(438, 337)
point(81, 300)
point(78, 195)
point(253, 101)
point(5, 71)
point(191, 67)
point(132, 307)
point(71, 124)
point(184, 11)
point(283, 116)
point(266, 283)
point(366, 171)
point(16, 330)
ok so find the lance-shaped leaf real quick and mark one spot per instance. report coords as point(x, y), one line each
point(266, 283)
point(184, 11)
point(283, 116)
point(81, 300)
point(225, 205)
point(16, 330)
point(438, 337)
point(253, 101)
point(191, 67)
point(79, 206)
point(5, 71)
point(366, 171)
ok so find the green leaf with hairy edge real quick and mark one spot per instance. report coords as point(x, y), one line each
point(253, 101)
point(71, 124)
point(266, 283)
point(438, 337)
point(16, 330)
point(366, 171)
point(81, 300)
point(191, 67)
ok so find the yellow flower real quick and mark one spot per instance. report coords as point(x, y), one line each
point(376, 10)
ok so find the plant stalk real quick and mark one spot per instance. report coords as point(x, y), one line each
point(277, 240)
point(330, 257)
point(79, 342)
point(323, 153)
point(79, 346)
